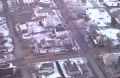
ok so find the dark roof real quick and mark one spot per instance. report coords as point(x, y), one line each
point(46, 65)
point(4, 65)
point(71, 66)
point(6, 71)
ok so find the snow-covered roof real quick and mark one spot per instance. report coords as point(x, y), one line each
point(99, 17)
point(23, 27)
point(53, 19)
point(112, 2)
point(116, 13)
point(56, 74)
point(76, 60)
point(110, 33)
point(72, 3)
point(110, 58)
point(28, 1)
point(45, 1)
point(33, 27)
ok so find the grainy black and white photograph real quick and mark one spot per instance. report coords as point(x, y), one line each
point(59, 38)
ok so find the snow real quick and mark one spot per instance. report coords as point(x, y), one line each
point(23, 27)
point(72, 3)
point(62, 33)
point(76, 60)
point(53, 19)
point(33, 27)
point(45, 1)
point(5, 31)
point(26, 36)
point(61, 62)
point(88, 4)
point(99, 17)
point(109, 58)
point(9, 40)
point(28, 1)
point(10, 56)
point(112, 3)
point(9, 46)
point(57, 49)
point(39, 37)
point(114, 10)
point(110, 33)
point(56, 74)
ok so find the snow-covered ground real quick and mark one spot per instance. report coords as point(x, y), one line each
point(5, 33)
point(99, 16)
point(6, 42)
point(51, 34)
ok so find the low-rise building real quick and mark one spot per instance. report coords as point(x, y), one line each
point(105, 37)
point(99, 17)
point(75, 67)
point(71, 68)
point(7, 69)
point(112, 2)
point(111, 63)
point(46, 69)
point(115, 12)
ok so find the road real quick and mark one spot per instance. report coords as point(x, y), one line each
point(78, 37)
point(19, 52)
point(29, 61)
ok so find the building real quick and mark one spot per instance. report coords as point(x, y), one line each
point(46, 68)
point(71, 68)
point(75, 67)
point(112, 2)
point(111, 63)
point(7, 69)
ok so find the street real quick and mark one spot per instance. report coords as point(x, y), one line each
point(79, 38)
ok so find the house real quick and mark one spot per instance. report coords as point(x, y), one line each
point(115, 12)
point(71, 68)
point(105, 36)
point(111, 63)
point(112, 2)
point(46, 68)
point(99, 17)
point(22, 29)
point(7, 69)
point(40, 12)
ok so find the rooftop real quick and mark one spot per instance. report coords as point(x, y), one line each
point(99, 17)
